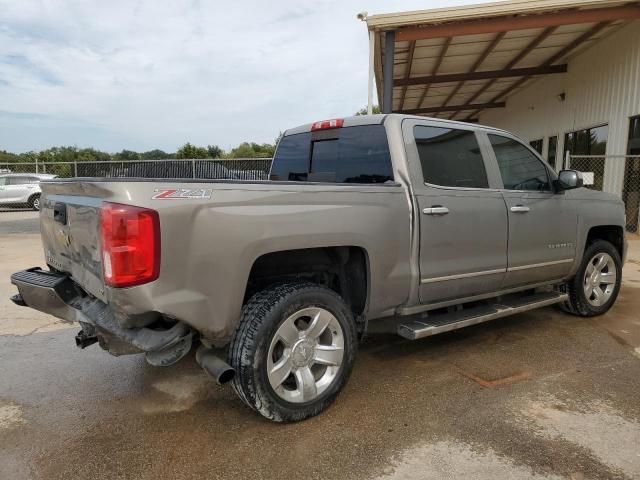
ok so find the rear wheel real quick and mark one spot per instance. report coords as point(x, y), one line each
point(293, 351)
point(34, 202)
point(594, 289)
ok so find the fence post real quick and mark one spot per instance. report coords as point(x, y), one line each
point(37, 166)
point(567, 160)
point(75, 168)
point(193, 168)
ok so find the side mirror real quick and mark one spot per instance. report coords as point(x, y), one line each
point(569, 179)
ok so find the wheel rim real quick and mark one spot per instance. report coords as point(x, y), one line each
point(600, 279)
point(36, 203)
point(305, 355)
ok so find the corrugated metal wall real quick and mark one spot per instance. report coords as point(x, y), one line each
point(601, 87)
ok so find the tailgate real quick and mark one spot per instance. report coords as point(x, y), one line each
point(70, 229)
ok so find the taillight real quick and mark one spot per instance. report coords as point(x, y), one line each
point(130, 245)
point(327, 124)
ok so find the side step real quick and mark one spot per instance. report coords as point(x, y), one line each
point(444, 322)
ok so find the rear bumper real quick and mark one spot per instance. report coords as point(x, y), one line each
point(47, 292)
point(56, 294)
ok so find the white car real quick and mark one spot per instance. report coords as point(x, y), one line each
point(22, 188)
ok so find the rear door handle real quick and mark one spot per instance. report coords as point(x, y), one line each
point(519, 209)
point(436, 210)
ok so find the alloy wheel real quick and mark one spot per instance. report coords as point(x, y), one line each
point(305, 355)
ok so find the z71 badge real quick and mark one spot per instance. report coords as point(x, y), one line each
point(181, 193)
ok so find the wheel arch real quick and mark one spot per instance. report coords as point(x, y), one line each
point(344, 269)
point(613, 234)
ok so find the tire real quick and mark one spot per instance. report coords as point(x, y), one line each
point(34, 202)
point(589, 306)
point(259, 340)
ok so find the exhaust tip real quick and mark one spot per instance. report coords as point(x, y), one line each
point(226, 376)
point(220, 370)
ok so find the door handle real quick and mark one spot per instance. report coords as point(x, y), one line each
point(436, 210)
point(519, 209)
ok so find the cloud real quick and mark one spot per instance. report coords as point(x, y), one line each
point(148, 74)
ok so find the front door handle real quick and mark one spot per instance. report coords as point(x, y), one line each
point(519, 209)
point(436, 210)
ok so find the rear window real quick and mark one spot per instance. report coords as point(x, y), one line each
point(342, 155)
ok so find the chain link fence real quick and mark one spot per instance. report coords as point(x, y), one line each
point(620, 174)
point(592, 168)
point(232, 169)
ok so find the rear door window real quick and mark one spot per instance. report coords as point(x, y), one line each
point(342, 155)
point(450, 157)
point(17, 181)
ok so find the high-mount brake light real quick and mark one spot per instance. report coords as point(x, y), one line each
point(327, 124)
point(130, 245)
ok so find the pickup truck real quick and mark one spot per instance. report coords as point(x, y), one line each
point(423, 224)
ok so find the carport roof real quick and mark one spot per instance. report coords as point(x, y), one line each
point(456, 62)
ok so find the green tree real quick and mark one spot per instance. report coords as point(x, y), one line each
point(363, 110)
point(156, 155)
point(214, 151)
point(252, 150)
point(127, 155)
point(191, 151)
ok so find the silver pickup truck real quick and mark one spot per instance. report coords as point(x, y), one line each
point(423, 224)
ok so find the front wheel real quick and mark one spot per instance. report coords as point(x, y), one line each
point(594, 289)
point(293, 351)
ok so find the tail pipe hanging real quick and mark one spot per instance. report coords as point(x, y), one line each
point(214, 366)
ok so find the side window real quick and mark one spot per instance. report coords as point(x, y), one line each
point(450, 157)
point(17, 181)
point(520, 169)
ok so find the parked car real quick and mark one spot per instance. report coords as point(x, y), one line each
point(423, 224)
point(22, 188)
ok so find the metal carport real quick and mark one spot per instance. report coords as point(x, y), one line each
point(458, 62)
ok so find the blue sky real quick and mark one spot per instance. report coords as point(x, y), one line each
point(143, 74)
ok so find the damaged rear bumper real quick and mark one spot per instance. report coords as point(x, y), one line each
point(58, 295)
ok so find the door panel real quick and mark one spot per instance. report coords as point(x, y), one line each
point(542, 236)
point(462, 217)
point(542, 223)
point(15, 193)
point(462, 252)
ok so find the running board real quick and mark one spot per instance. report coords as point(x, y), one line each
point(444, 322)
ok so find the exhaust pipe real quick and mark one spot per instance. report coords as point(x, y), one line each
point(214, 366)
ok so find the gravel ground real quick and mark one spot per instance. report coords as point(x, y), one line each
point(538, 395)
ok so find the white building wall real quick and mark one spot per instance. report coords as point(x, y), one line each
point(602, 86)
